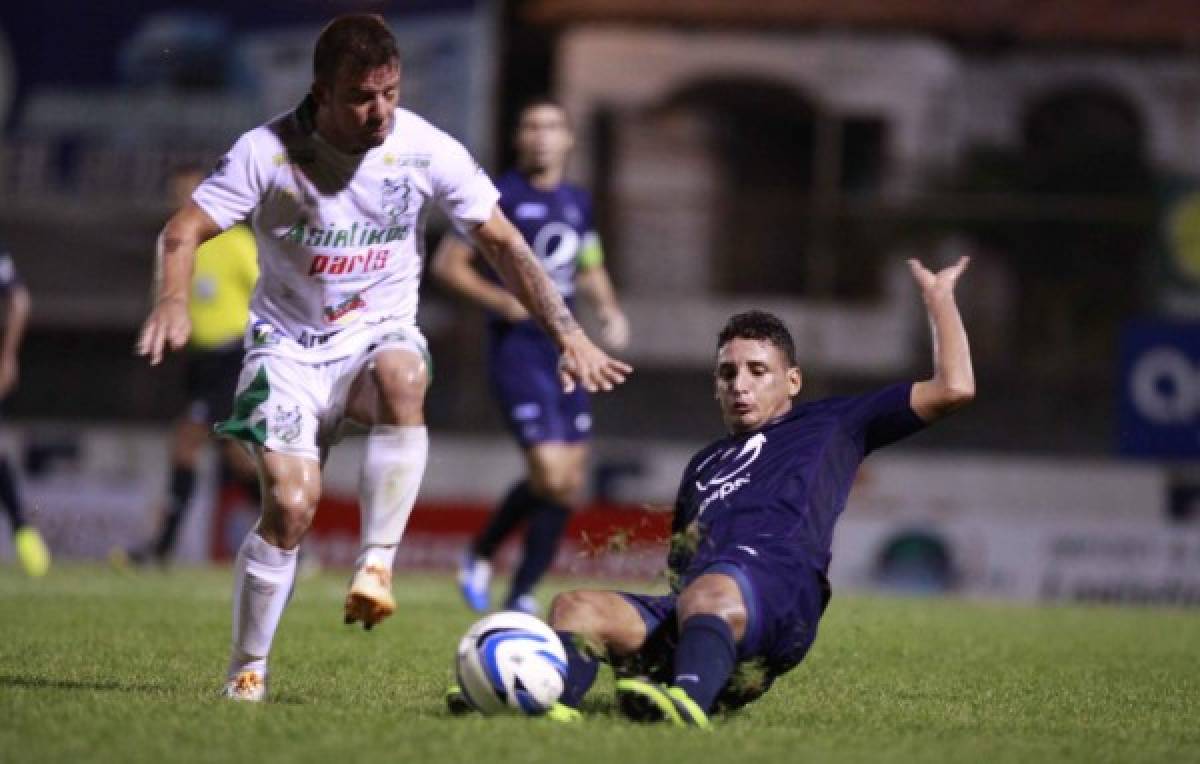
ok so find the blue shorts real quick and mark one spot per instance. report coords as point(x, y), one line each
point(523, 368)
point(785, 596)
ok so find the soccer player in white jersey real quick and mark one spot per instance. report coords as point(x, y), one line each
point(336, 193)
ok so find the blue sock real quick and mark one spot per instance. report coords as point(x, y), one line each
point(705, 658)
point(581, 670)
point(546, 526)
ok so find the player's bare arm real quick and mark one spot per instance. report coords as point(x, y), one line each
point(582, 362)
point(953, 383)
point(597, 287)
point(452, 267)
point(168, 325)
point(16, 316)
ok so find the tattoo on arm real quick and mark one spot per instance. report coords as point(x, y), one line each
point(541, 298)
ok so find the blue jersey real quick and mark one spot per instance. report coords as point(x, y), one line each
point(785, 484)
point(557, 224)
point(522, 360)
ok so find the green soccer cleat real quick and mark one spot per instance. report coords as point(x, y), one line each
point(563, 714)
point(32, 551)
point(644, 701)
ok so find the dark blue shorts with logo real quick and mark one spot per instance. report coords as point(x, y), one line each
point(785, 596)
point(523, 368)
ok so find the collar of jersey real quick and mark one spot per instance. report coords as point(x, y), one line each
point(306, 118)
point(787, 416)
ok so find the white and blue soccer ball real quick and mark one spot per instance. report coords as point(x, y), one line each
point(513, 663)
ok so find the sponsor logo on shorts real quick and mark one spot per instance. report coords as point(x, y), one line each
point(583, 422)
point(525, 411)
point(285, 423)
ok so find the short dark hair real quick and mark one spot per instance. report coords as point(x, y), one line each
point(360, 41)
point(537, 102)
point(759, 325)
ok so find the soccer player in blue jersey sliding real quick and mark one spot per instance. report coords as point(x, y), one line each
point(550, 425)
point(753, 525)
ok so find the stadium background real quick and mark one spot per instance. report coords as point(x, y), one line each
point(789, 155)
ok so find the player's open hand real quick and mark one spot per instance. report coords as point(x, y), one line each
point(167, 327)
point(585, 364)
point(940, 284)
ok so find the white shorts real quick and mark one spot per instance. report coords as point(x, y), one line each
point(292, 406)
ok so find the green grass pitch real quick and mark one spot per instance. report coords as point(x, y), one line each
point(101, 666)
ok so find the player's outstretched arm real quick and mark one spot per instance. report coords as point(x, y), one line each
point(953, 382)
point(581, 361)
point(168, 325)
point(452, 268)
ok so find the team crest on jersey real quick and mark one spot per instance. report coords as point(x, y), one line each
point(285, 423)
point(397, 199)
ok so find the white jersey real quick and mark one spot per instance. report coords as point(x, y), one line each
point(339, 236)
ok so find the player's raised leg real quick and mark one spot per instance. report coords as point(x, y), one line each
point(390, 395)
point(265, 569)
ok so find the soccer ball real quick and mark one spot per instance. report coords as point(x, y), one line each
point(511, 662)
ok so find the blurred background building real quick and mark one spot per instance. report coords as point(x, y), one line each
point(787, 154)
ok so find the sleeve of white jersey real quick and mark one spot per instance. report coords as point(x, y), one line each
point(233, 189)
point(463, 189)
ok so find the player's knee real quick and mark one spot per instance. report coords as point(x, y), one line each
point(573, 611)
point(557, 484)
point(713, 601)
point(557, 491)
point(401, 382)
point(288, 515)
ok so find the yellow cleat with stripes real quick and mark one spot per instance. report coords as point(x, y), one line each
point(644, 701)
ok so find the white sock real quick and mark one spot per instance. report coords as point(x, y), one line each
point(263, 576)
point(391, 476)
point(376, 556)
